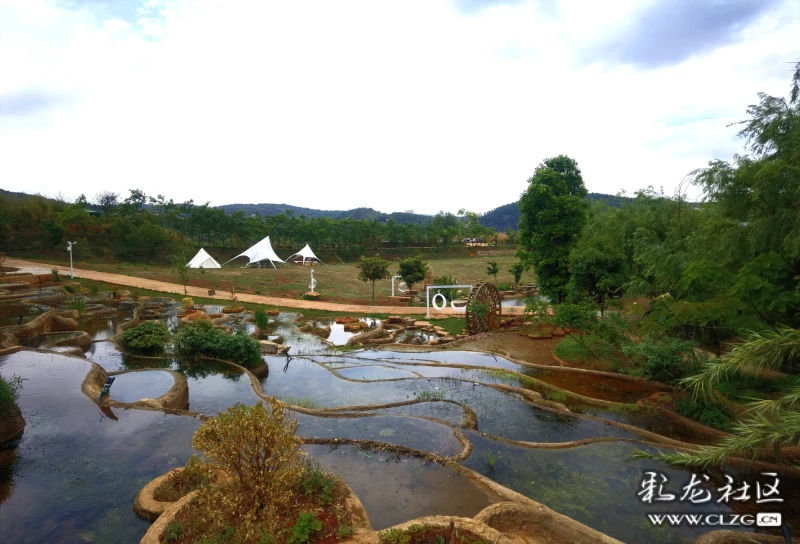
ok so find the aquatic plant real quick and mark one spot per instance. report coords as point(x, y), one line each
point(430, 395)
point(302, 402)
point(147, 338)
point(202, 338)
point(9, 390)
point(77, 303)
point(261, 318)
point(491, 459)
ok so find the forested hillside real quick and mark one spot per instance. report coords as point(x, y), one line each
point(507, 216)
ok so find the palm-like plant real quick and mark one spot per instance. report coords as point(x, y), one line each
point(767, 425)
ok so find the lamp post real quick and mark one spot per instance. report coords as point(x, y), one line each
point(69, 248)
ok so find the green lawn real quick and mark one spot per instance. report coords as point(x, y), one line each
point(336, 282)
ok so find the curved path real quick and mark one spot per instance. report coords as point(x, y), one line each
point(174, 288)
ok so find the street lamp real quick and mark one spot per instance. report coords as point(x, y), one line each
point(69, 248)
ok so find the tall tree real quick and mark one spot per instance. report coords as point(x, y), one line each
point(412, 270)
point(552, 215)
point(373, 269)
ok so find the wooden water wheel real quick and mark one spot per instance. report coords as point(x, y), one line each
point(483, 308)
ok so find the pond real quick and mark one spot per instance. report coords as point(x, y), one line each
point(72, 475)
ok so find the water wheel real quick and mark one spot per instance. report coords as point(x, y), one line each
point(483, 308)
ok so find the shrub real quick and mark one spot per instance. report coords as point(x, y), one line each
point(9, 390)
point(449, 294)
point(315, 481)
point(71, 289)
point(713, 415)
point(77, 304)
point(147, 338)
point(56, 274)
point(188, 303)
point(261, 318)
point(202, 338)
point(94, 289)
point(663, 360)
point(257, 447)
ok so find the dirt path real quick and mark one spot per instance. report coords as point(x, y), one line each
point(174, 288)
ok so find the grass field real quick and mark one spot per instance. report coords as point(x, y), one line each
point(336, 282)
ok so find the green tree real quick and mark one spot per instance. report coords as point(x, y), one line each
point(492, 269)
point(552, 215)
point(372, 269)
point(597, 274)
point(181, 270)
point(412, 270)
point(516, 270)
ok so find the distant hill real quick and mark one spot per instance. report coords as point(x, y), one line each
point(355, 213)
point(507, 216)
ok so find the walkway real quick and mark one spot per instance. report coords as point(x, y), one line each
point(174, 288)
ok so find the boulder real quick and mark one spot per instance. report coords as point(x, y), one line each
point(63, 324)
point(199, 316)
point(346, 319)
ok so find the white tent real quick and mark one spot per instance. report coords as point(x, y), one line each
point(203, 260)
point(261, 252)
point(306, 254)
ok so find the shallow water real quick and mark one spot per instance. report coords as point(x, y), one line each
point(133, 386)
point(77, 469)
point(45, 340)
point(11, 312)
point(596, 484)
point(410, 432)
point(101, 328)
point(397, 489)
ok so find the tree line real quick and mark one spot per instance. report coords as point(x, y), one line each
point(141, 226)
point(720, 273)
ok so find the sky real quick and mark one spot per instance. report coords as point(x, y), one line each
point(416, 105)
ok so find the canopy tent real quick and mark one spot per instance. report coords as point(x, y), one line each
point(203, 260)
point(306, 254)
point(261, 252)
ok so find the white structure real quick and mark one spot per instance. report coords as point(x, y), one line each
point(203, 260)
point(260, 253)
point(439, 308)
point(313, 285)
point(306, 254)
point(402, 288)
point(71, 270)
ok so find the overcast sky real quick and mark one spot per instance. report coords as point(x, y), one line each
point(426, 105)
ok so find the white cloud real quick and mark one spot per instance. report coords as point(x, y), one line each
point(343, 104)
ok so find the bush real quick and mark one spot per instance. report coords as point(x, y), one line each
point(202, 338)
point(9, 390)
point(56, 274)
point(193, 476)
point(188, 303)
point(665, 360)
point(71, 289)
point(713, 415)
point(449, 294)
point(147, 338)
point(257, 447)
